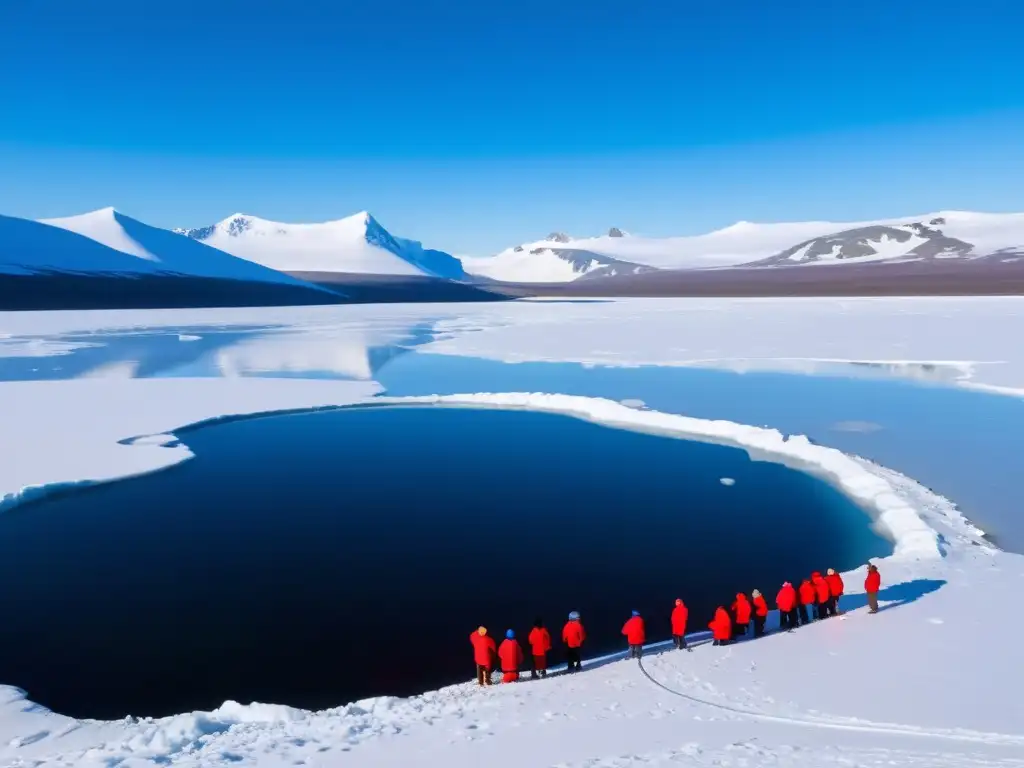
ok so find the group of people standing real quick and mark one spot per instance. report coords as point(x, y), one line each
point(815, 599)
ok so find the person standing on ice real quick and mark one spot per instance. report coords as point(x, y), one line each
point(679, 616)
point(786, 601)
point(835, 591)
point(540, 644)
point(872, 584)
point(511, 656)
point(574, 635)
point(821, 593)
point(721, 627)
point(760, 613)
point(741, 614)
point(808, 597)
point(633, 629)
point(484, 650)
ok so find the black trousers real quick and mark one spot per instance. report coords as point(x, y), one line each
point(483, 674)
point(679, 641)
point(759, 625)
point(822, 610)
point(636, 651)
point(804, 617)
point(574, 658)
point(788, 619)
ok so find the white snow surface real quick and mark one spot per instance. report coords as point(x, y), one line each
point(152, 250)
point(891, 689)
point(331, 246)
point(739, 244)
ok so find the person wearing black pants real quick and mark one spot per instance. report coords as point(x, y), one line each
point(574, 658)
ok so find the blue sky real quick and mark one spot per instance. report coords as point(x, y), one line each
point(473, 126)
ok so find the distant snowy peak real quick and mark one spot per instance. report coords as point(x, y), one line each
point(356, 244)
point(947, 235)
point(152, 251)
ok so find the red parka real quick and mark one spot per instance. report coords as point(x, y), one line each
point(741, 609)
point(573, 634)
point(634, 631)
point(540, 641)
point(511, 655)
point(806, 593)
point(483, 649)
point(786, 599)
point(760, 606)
point(835, 584)
point(820, 587)
point(721, 625)
point(873, 582)
point(679, 616)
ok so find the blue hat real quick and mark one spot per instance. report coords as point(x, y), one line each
point(574, 615)
point(510, 635)
point(636, 613)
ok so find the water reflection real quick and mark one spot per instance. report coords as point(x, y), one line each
point(350, 353)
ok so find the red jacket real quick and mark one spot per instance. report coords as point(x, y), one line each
point(573, 634)
point(760, 606)
point(741, 608)
point(873, 582)
point(721, 625)
point(820, 586)
point(806, 593)
point(786, 599)
point(483, 649)
point(511, 655)
point(835, 584)
point(540, 641)
point(679, 616)
point(634, 631)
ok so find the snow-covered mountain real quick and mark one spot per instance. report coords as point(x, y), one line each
point(943, 235)
point(558, 258)
point(355, 245)
point(107, 259)
point(946, 235)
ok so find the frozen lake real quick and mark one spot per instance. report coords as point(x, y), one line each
point(895, 399)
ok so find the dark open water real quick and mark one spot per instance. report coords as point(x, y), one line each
point(316, 559)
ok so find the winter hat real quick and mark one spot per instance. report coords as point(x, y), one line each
point(786, 584)
point(756, 593)
point(510, 634)
point(539, 623)
point(574, 616)
point(636, 613)
point(481, 630)
point(831, 571)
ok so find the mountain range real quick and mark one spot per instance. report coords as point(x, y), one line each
point(105, 258)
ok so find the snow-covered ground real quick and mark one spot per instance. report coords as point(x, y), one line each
point(932, 680)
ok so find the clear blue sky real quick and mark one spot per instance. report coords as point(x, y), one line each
point(476, 125)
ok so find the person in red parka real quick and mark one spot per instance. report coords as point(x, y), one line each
point(484, 650)
point(807, 597)
point(511, 656)
point(760, 613)
point(835, 591)
point(786, 601)
point(721, 627)
point(540, 644)
point(633, 629)
point(872, 584)
point(573, 635)
point(821, 594)
point(679, 616)
point(741, 614)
